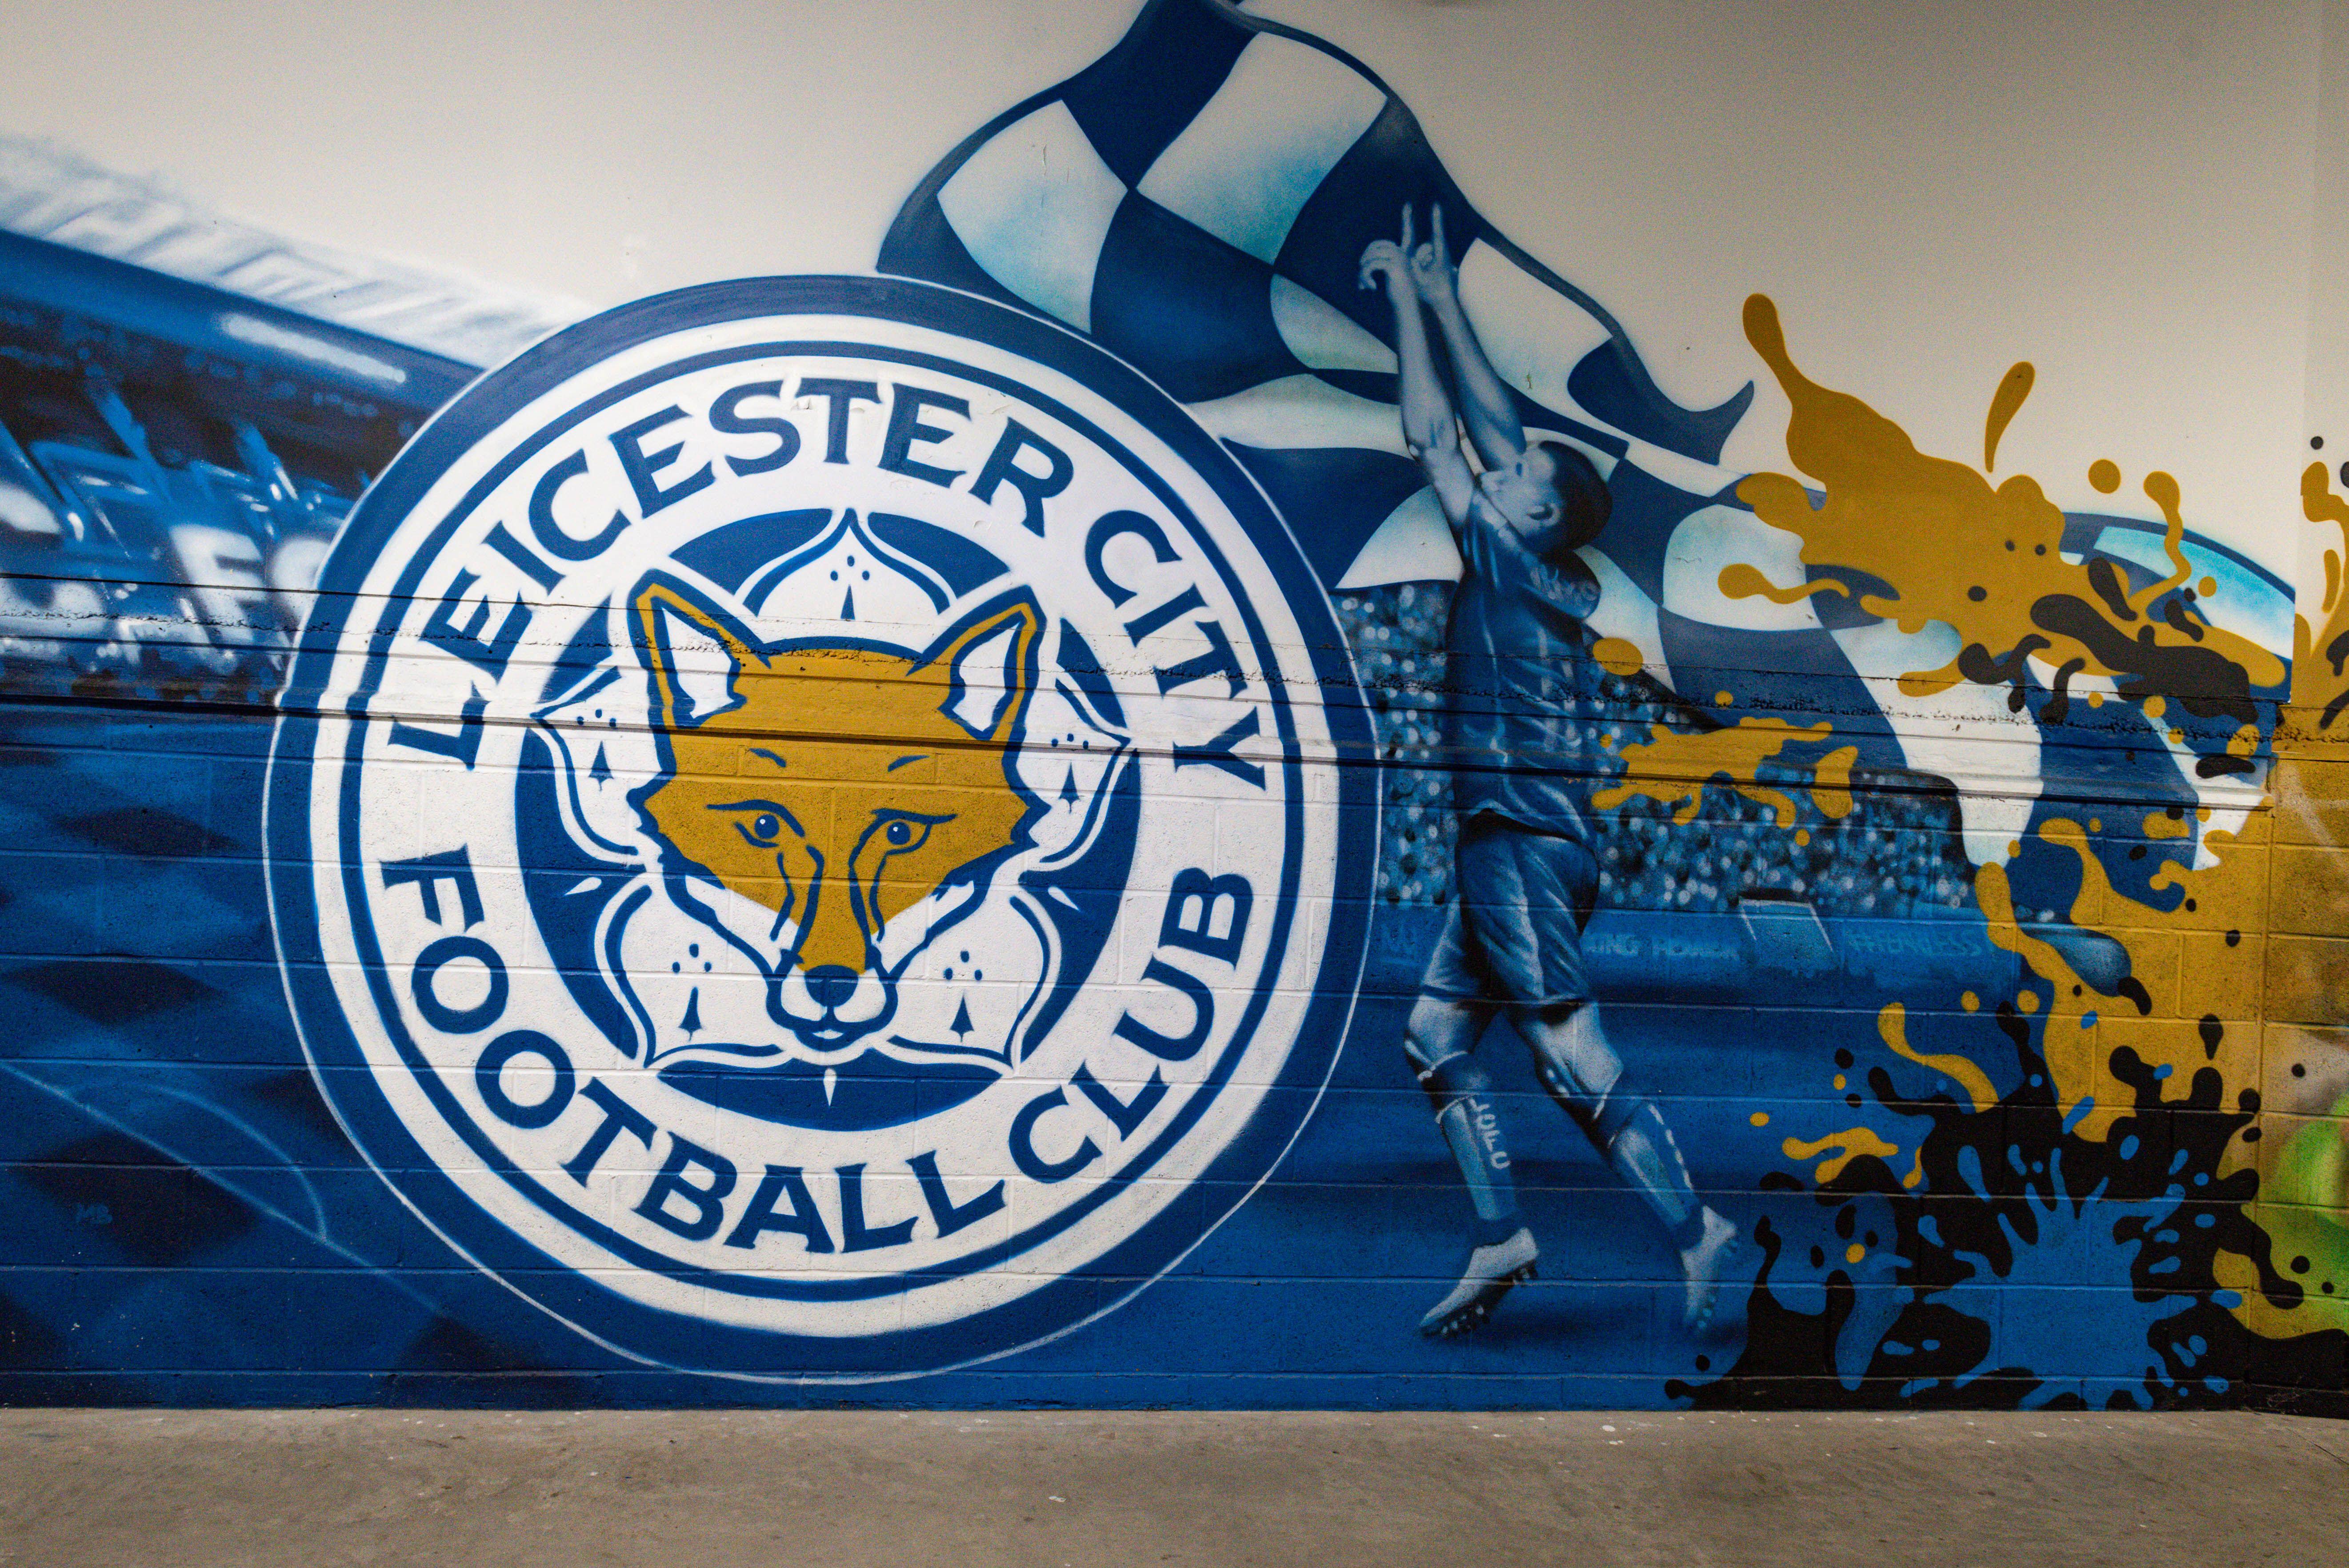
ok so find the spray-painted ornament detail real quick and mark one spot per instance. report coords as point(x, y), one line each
point(802, 861)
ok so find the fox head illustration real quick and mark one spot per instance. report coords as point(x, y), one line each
point(814, 791)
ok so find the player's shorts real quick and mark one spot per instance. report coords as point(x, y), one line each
point(1514, 934)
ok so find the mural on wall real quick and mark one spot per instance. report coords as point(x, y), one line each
point(942, 836)
point(821, 953)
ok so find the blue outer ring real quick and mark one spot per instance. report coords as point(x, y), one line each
point(648, 1333)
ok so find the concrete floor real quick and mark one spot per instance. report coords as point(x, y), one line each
point(257, 1490)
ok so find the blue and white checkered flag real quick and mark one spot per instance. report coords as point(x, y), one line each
point(1197, 200)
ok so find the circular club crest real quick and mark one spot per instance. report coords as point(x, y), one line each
point(804, 835)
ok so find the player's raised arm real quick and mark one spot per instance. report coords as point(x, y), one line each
point(1429, 428)
point(1489, 412)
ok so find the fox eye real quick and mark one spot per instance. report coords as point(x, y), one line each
point(762, 829)
point(898, 834)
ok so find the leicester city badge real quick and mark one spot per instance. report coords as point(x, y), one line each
point(806, 836)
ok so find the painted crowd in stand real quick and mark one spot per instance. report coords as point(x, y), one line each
point(1574, 924)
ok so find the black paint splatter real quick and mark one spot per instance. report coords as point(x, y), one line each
point(1989, 1180)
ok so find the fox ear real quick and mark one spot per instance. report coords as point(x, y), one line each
point(989, 660)
point(692, 652)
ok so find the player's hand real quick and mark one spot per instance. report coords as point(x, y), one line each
point(1383, 260)
point(1432, 276)
point(1388, 260)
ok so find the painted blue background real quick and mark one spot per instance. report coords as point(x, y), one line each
point(187, 1224)
point(193, 1226)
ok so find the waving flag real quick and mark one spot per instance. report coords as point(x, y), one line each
point(1198, 200)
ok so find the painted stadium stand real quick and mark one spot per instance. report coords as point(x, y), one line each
point(174, 460)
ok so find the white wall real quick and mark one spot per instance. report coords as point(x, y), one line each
point(2121, 191)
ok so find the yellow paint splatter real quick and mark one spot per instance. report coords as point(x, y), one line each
point(1849, 1145)
point(1739, 581)
point(1986, 561)
point(2185, 975)
point(1892, 1025)
point(1674, 766)
point(1853, 1252)
point(1831, 781)
point(2004, 403)
point(1619, 656)
point(2318, 680)
point(2162, 490)
point(1919, 540)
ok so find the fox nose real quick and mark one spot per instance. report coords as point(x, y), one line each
point(831, 985)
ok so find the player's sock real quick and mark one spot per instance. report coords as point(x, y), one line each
point(1501, 1251)
point(1631, 1133)
point(1470, 1119)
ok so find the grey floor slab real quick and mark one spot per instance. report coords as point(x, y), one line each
point(712, 1490)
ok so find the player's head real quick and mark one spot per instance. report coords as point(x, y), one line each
point(1551, 496)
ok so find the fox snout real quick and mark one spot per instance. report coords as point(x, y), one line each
point(826, 978)
point(832, 1003)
